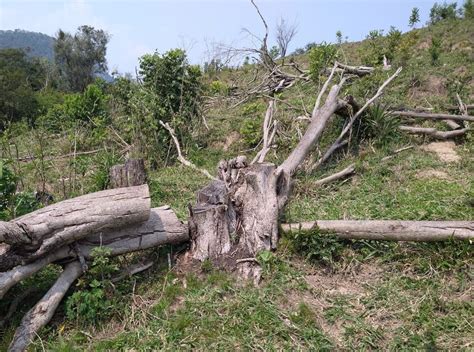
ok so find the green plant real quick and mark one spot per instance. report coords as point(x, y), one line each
point(218, 88)
point(320, 57)
point(444, 11)
point(317, 247)
point(468, 9)
point(435, 50)
point(372, 51)
point(414, 17)
point(379, 125)
point(251, 131)
point(93, 303)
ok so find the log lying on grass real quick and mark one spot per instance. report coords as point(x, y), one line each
point(36, 234)
point(390, 230)
point(429, 116)
point(433, 132)
point(162, 227)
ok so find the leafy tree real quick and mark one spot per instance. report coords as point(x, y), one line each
point(440, 12)
point(20, 78)
point(172, 93)
point(81, 56)
point(394, 38)
point(468, 9)
point(435, 50)
point(414, 17)
point(339, 37)
point(320, 57)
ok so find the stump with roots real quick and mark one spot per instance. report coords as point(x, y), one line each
point(236, 216)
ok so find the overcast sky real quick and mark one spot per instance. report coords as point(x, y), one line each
point(143, 26)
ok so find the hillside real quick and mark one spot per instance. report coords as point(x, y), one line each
point(33, 43)
point(318, 292)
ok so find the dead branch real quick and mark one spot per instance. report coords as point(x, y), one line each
point(428, 116)
point(336, 176)
point(390, 230)
point(43, 311)
point(132, 270)
point(396, 152)
point(355, 70)
point(433, 132)
point(181, 158)
point(65, 156)
point(347, 128)
point(269, 131)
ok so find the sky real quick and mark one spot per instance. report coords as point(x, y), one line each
point(145, 26)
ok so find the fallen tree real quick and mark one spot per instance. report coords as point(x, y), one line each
point(389, 230)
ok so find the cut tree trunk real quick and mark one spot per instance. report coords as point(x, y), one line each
point(429, 116)
point(43, 311)
point(390, 230)
point(433, 132)
point(132, 173)
point(38, 233)
point(163, 227)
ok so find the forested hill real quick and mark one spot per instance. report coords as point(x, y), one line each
point(34, 44)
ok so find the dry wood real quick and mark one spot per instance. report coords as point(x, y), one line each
point(162, 227)
point(89, 152)
point(348, 127)
point(42, 231)
point(181, 158)
point(336, 176)
point(269, 131)
point(390, 230)
point(429, 116)
point(356, 70)
point(433, 132)
point(132, 173)
point(43, 311)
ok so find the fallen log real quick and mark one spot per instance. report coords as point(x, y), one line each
point(390, 230)
point(36, 234)
point(433, 132)
point(162, 227)
point(430, 116)
point(43, 311)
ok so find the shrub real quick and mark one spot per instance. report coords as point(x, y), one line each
point(373, 50)
point(435, 50)
point(320, 57)
point(380, 125)
point(92, 303)
point(218, 88)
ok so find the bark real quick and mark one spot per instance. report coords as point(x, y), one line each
point(163, 227)
point(43, 311)
point(36, 234)
point(429, 116)
point(132, 173)
point(390, 230)
point(433, 132)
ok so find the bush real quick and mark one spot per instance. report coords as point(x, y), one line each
point(320, 57)
point(92, 303)
point(379, 125)
point(218, 88)
point(435, 50)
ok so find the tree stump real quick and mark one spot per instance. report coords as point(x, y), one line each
point(132, 173)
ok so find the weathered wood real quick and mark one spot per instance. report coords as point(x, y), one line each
point(336, 176)
point(35, 234)
point(162, 227)
point(132, 173)
point(43, 311)
point(433, 132)
point(390, 230)
point(429, 116)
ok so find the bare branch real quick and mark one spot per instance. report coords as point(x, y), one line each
point(269, 131)
point(433, 132)
point(337, 176)
point(284, 35)
point(181, 158)
point(427, 116)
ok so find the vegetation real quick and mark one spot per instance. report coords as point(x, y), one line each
point(318, 292)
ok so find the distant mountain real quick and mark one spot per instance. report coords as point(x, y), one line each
point(35, 45)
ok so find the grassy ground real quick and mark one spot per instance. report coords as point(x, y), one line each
point(317, 293)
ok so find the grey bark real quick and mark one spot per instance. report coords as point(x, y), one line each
point(43, 311)
point(390, 230)
point(132, 173)
point(429, 116)
point(162, 227)
point(45, 230)
point(433, 132)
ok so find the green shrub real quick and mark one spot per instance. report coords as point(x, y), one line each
point(435, 50)
point(93, 302)
point(218, 88)
point(317, 247)
point(444, 11)
point(379, 125)
point(320, 57)
point(251, 132)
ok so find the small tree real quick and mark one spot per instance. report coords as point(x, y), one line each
point(80, 57)
point(284, 35)
point(469, 9)
point(414, 17)
point(440, 12)
point(339, 37)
